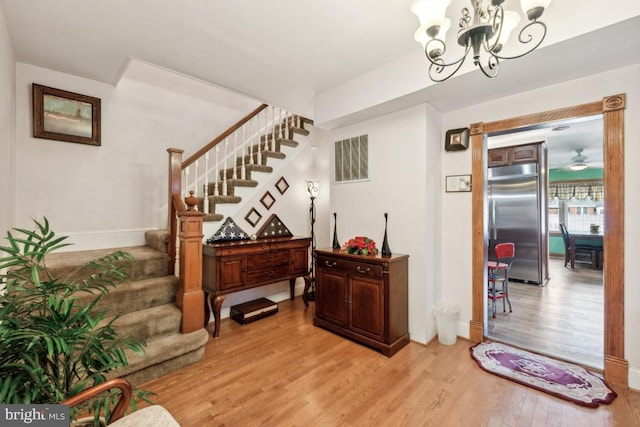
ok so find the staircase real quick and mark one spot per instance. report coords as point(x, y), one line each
point(152, 305)
point(252, 158)
point(146, 303)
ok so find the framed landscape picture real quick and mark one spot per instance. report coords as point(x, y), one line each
point(65, 116)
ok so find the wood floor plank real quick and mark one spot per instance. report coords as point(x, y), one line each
point(563, 319)
point(283, 371)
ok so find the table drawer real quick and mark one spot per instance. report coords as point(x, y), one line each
point(349, 266)
point(270, 259)
point(266, 274)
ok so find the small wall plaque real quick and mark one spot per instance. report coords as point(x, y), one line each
point(458, 183)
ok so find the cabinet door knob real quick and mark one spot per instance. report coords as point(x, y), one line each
point(359, 270)
point(328, 264)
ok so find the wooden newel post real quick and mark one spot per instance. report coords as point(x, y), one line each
point(190, 297)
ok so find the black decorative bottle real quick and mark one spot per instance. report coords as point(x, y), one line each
point(386, 251)
point(336, 242)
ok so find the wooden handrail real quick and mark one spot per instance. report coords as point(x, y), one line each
point(201, 152)
point(122, 403)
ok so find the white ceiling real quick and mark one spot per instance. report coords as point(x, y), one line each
point(288, 52)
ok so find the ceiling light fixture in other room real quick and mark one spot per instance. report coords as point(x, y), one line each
point(578, 161)
point(485, 27)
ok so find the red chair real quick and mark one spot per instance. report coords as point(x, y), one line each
point(499, 275)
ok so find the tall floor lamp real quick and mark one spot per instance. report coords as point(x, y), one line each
point(313, 187)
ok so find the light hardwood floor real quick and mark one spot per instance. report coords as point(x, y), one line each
point(283, 371)
point(564, 319)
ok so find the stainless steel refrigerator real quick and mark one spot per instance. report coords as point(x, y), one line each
point(518, 214)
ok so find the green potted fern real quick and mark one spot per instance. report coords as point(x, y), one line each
point(54, 341)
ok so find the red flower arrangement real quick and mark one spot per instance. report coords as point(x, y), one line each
point(360, 245)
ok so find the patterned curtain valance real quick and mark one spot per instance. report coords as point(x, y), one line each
point(578, 189)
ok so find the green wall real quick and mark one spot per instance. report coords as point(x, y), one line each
point(556, 245)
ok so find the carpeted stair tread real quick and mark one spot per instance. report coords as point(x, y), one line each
point(149, 262)
point(212, 217)
point(159, 352)
point(287, 142)
point(130, 296)
point(151, 323)
point(300, 131)
point(158, 239)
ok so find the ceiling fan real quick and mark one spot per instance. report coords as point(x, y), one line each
point(578, 161)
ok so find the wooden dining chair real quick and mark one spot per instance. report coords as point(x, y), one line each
point(592, 252)
point(498, 277)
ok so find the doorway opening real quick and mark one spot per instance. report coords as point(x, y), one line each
point(616, 368)
point(557, 308)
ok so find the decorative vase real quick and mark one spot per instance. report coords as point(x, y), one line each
point(386, 251)
point(336, 242)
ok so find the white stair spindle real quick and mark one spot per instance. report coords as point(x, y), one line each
point(280, 124)
point(216, 192)
point(195, 178)
point(251, 141)
point(298, 121)
point(259, 142)
point(186, 181)
point(272, 144)
point(205, 190)
point(224, 170)
point(234, 173)
point(243, 173)
point(266, 131)
point(286, 124)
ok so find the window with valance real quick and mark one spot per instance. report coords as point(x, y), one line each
point(580, 190)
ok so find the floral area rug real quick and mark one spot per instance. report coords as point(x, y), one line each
point(564, 380)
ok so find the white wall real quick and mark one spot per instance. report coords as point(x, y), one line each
point(456, 219)
point(403, 161)
point(7, 129)
point(107, 196)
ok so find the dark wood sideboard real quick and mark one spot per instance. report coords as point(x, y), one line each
point(364, 298)
point(233, 266)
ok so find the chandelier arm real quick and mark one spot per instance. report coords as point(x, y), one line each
point(436, 69)
point(525, 38)
point(492, 68)
point(437, 59)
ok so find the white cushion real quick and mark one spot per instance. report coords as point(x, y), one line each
point(152, 416)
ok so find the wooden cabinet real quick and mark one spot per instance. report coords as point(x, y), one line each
point(513, 155)
point(244, 264)
point(364, 298)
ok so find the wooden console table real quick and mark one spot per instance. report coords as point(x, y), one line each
point(364, 298)
point(233, 266)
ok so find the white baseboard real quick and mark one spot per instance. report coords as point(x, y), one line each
point(634, 378)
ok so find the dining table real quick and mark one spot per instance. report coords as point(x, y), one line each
point(595, 239)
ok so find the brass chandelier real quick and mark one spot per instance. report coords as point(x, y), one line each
point(484, 30)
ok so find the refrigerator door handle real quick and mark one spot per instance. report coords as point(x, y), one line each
point(493, 233)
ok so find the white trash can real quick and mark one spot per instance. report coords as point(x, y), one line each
point(447, 322)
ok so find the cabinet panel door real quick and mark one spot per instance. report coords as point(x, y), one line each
point(231, 272)
point(299, 261)
point(498, 157)
point(367, 306)
point(331, 290)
